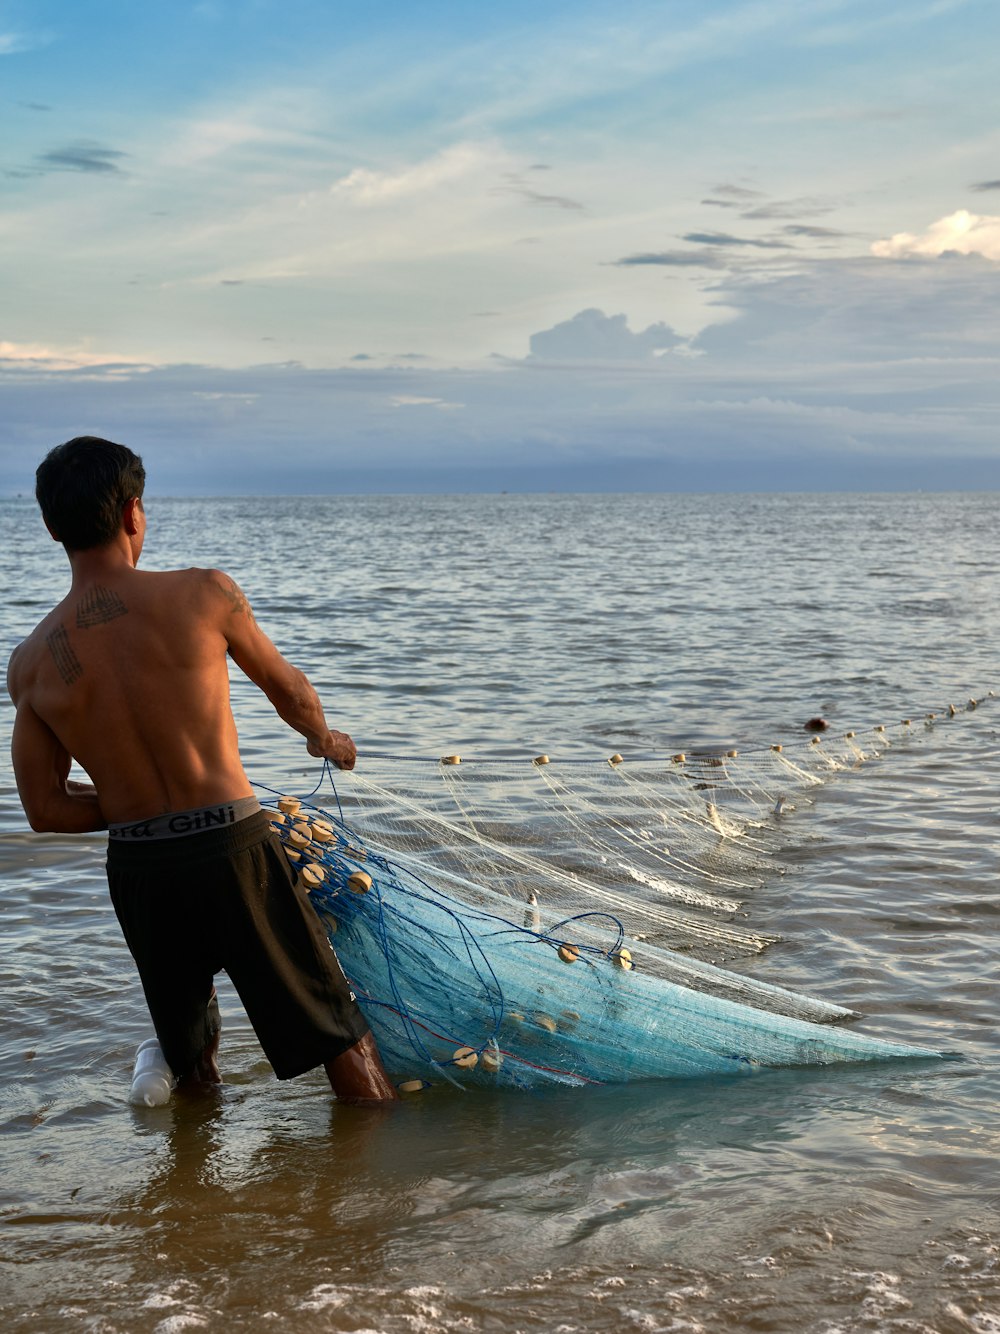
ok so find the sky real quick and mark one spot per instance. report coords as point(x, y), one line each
point(686, 245)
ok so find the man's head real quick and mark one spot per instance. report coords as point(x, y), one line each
point(83, 487)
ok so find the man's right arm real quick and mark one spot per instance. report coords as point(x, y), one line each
point(289, 690)
point(53, 802)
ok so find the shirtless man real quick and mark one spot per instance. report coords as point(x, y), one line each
point(128, 676)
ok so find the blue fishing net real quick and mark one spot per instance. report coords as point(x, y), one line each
point(559, 925)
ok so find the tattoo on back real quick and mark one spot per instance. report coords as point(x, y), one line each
point(98, 607)
point(68, 665)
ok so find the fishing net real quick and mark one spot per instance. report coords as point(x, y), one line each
point(526, 922)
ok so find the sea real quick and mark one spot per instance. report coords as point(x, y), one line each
point(828, 1200)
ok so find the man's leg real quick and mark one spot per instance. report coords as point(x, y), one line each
point(358, 1075)
point(205, 1076)
point(176, 967)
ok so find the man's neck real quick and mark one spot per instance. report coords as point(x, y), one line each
point(105, 562)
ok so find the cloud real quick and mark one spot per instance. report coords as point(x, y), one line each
point(593, 336)
point(844, 374)
point(815, 233)
point(859, 326)
point(724, 239)
point(419, 401)
point(960, 233)
point(42, 358)
point(737, 192)
point(518, 187)
point(12, 43)
point(365, 187)
point(543, 201)
point(84, 155)
point(787, 208)
point(677, 259)
point(220, 395)
point(986, 185)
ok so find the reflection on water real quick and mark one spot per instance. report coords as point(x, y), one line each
point(274, 1201)
point(847, 1199)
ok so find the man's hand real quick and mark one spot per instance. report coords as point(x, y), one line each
point(337, 747)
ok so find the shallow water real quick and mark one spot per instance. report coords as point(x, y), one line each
point(842, 1199)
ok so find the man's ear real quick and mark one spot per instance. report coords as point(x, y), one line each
point(129, 519)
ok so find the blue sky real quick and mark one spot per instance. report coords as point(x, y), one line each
point(752, 244)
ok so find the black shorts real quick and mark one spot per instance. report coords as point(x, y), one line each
point(227, 899)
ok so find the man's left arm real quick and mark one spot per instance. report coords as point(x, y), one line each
point(290, 691)
point(53, 802)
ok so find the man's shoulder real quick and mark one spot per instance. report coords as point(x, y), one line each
point(190, 574)
point(46, 625)
point(211, 592)
point(193, 580)
point(24, 658)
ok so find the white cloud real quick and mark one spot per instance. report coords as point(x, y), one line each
point(961, 233)
point(224, 395)
point(593, 336)
point(837, 314)
point(12, 42)
point(366, 187)
point(44, 358)
point(417, 401)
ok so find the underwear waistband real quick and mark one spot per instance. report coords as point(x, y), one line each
point(182, 824)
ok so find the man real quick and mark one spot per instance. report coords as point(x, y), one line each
point(128, 676)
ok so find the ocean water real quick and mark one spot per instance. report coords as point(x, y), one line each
point(828, 1200)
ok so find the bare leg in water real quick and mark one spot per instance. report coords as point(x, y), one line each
point(206, 1076)
point(358, 1075)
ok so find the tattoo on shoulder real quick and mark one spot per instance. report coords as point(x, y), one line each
point(68, 665)
point(234, 595)
point(98, 607)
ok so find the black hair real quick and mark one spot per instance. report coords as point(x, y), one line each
point(82, 488)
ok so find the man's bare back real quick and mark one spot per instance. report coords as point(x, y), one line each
point(128, 674)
